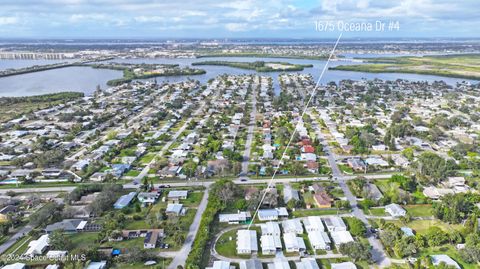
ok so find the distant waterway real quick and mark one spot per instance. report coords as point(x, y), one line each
point(86, 79)
point(15, 64)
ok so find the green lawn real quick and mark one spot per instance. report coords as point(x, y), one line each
point(147, 158)
point(132, 173)
point(227, 247)
point(345, 168)
point(83, 240)
point(193, 199)
point(375, 211)
point(421, 226)
point(419, 210)
point(317, 212)
point(136, 224)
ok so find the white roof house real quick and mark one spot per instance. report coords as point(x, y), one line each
point(176, 209)
point(235, 218)
point(220, 265)
point(56, 254)
point(341, 237)
point(270, 228)
point(37, 247)
point(270, 244)
point(438, 259)
point(251, 264)
point(279, 264)
point(97, 265)
point(272, 214)
point(395, 210)
point(344, 265)
point(176, 195)
point(293, 243)
point(313, 223)
point(307, 263)
point(335, 223)
point(267, 214)
point(292, 226)
point(15, 266)
point(246, 241)
point(319, 240)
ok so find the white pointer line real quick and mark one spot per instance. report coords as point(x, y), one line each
point(295, 131)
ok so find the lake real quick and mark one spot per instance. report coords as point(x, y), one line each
point(86, 79)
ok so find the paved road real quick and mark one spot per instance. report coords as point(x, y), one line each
point(378, 253)
point(179, 257)
point(186, 183)
point(251, 128)
point(20, 233)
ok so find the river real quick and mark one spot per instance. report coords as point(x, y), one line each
point(86, 79)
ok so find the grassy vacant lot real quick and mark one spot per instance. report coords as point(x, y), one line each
point(147, 158)
point(193, 199)
point(421, 226)
point(419, 210)
point(460, 66)
point(83, 240)
point(373, 211)
point(317, 212)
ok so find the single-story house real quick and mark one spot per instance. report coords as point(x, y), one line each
point(293, 243)
point(270, 228)
point(343, 265)
point(442, 258)
point(313, 223)
point(235, 218)
point(97, 265)
point(319, 240)
point(176, 196)
point(67, 226)
point(124, 200)
point(334, 224)
point(37, 247)
point(292, 226)
point(147, 198)
point(270, 244)
point(341, 237)
point(175, 209)
point(251, 264)
point(272, 214)
point(219, 265)
point(307, 263)
point(247, 242)
point(395, 210)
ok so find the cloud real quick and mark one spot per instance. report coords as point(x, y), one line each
point(8, 20)
point(288, 18)
point(236, 27)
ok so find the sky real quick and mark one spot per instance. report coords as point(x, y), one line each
point(235, 18)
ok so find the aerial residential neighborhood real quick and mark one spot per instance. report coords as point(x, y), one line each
point(239, 134)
